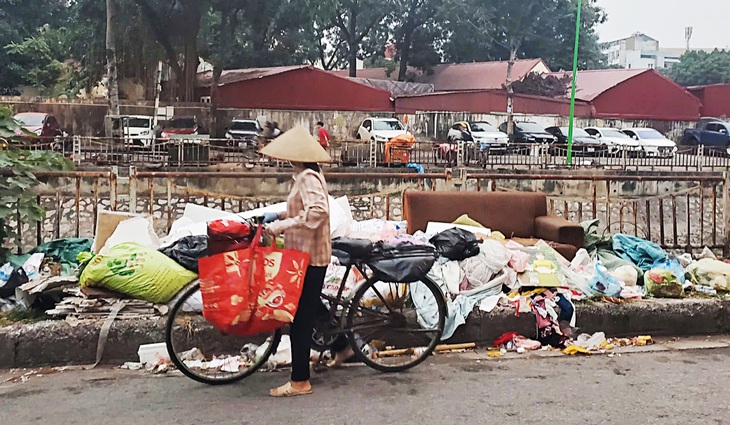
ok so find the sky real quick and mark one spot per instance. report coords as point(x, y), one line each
point(665, 21)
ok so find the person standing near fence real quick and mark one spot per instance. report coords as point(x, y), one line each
point(306, 227)
point(324, 136)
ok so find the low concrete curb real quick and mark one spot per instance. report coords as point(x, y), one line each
point(58, 343)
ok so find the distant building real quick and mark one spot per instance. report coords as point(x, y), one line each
point(641, 52)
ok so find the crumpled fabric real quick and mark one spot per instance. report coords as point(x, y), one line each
point(600, 247)
point(458, 308)
point(640, 252)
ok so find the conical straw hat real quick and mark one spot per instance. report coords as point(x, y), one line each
point(296, 145)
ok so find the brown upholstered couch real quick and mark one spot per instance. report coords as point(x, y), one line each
point(521, 216)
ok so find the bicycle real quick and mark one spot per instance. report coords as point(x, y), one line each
point(381, 321)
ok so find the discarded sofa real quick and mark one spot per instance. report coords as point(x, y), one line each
point(520, 216)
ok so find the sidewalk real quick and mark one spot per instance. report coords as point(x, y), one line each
point(58, 343)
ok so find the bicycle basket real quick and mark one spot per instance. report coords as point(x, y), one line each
point(403, 263)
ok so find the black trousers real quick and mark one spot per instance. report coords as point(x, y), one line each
point(300, 332)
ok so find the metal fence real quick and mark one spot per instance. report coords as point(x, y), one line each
point(680, 212)
point(177, 153)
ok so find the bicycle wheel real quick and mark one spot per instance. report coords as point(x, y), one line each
point(204, 353)
point(394, 327)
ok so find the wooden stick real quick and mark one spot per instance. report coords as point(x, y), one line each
point(448, 347)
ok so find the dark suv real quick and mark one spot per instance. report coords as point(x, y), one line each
point(527, 132)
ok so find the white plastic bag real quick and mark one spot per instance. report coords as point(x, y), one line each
point(627, 275)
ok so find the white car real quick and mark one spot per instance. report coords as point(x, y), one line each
point(136, 128)
point(616, 140)
point(243, 133)
point(380, 129)
point(482, 132)
point(652, 142)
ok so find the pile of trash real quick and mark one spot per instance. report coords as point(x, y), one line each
point(128, 270)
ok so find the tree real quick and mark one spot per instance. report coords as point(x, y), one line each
point(551, 35)
point(552, 40)
point(507, 24)
point(36, 62)
point(176, 24)
point(415, 34)
point(698, 68)
point(355, 19)
point(21, 20)
point(17, 199)
point(111, 57)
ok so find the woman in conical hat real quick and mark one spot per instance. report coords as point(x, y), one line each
point(306, 227)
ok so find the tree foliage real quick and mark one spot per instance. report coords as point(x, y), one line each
point(699, 68)
point(63, 49)
point(17, 199)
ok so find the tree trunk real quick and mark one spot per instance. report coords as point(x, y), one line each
point(352, 44)
point(510, 92)
point(190, 71)
point(405, 55)
point(214, 101)
point(111, 58)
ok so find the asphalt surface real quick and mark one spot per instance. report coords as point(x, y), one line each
point(684, 382)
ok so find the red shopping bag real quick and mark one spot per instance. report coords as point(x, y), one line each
point(225, 287)
point(278, 278)
point(252, 290)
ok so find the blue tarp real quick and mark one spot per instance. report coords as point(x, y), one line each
point(639, 251)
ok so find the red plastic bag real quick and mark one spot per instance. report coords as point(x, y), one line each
point(228, 235)
point(225, 288)
point(252, 290)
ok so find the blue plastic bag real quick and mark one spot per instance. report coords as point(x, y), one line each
point(638, 251)
point(604, 283)
point(671, 265)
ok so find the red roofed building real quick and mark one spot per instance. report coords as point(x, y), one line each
point(715, 99)
point(642, 94)
point(462, 76)
point(293, 88)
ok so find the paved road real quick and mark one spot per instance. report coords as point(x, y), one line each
point(657, 386)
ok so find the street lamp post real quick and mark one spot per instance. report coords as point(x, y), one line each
point(572, 90)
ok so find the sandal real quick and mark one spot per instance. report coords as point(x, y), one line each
point(287, 390)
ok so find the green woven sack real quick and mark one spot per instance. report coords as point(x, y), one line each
point(137, 271)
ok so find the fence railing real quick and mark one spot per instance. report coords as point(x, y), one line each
point(176, 153)
point(680, 212)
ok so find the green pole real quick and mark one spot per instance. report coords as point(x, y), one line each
point(575, 73)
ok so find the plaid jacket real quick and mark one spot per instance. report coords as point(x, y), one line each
point(306, 223)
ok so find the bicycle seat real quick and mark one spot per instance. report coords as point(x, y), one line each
point(357, 248)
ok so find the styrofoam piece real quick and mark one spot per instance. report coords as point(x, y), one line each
point(150, 354)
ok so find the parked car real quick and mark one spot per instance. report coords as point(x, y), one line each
point(527, 132)
point(243, 133)
point(45, 127)
point(380, 129)
point(615, 140)
point(713, 133)
point(180, 126)
point(138, 129)
point(652, 142)
point(583, 143)
point(482, 133)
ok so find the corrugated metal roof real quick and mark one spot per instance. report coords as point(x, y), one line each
point(460, 76)
point(205, 79)
point(477, 75)
point(396, 88)
point(592, 84)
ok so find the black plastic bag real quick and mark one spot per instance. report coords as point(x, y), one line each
point(403, 263)
point(456, 244)
point(17, 278)
point(187, 251)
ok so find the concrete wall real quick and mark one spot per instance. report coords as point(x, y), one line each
point(87, 118)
